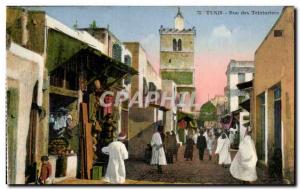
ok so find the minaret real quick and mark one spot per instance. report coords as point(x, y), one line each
point(177, 55)
point(179, 21)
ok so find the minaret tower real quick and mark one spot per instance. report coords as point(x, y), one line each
point(177, 54)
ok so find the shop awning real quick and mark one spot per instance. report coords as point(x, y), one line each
point(64, 51)
point(236, 112)
point(97, 66)
point(104, 67)
point(246, 124)
point(244, 85)
point(186, 116)
point(246, 105)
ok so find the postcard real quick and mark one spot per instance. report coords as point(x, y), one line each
point(150, 95)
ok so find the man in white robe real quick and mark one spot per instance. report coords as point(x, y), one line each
point(223, 146)
point(115, 172)
point(195, 136)
point(205, 134)
point(231, 135)
point(158, 153)
point(210, 144)
point(243, 166)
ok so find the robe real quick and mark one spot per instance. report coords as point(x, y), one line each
point(223, 146)
point(189, 148)
point(210, 144)
point(205, 135)
point(158, 154)
point(243, 166)
point(46, 171)
point(231, 137)
point(195, 137)
point(115, 172)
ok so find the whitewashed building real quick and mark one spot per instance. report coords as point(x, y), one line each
point(238, 72)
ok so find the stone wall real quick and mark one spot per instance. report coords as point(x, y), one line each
point(166, 41)
point(176, 60)
point(140, 130)
point(274, 66)
point(26, 77)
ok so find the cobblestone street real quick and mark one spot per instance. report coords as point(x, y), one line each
point(181, 172)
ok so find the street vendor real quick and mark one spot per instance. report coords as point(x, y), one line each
point(95, 109)
point(107, 136)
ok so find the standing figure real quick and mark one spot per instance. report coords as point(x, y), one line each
point(223, 146)
point(117, 152)
point(232, 132)
point(158, 153)
point(201, 145)
point(46, 170)
point(243, 166)
point(169, 147)
point(176, 144)
point(189, 147)
point(210, 144)
point(107, 135)
point(196, 135)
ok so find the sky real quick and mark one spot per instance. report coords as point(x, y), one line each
point(219, 37)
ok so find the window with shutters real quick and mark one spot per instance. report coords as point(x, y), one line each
point(117, 52)
point(127, 61)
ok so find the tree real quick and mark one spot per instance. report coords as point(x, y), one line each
point(93, 25)
point(208, 112)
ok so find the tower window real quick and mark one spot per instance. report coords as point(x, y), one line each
point(170, 60)
point(174, 45)
point(179, 45)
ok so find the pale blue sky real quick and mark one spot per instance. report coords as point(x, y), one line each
point(142, 23)
point(219, 37)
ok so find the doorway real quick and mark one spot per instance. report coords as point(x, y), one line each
point(11, 133)
point(31, 165)
point(277, 157)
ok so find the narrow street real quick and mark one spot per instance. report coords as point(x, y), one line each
point(181, 172)
point(195, 171)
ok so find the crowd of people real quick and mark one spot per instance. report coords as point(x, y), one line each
point(242, 167)
point(164, 151)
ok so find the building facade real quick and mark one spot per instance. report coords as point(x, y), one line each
point(59, 69)
point(273, 97)
point(220, 102)
point(177, 47)
point(114, 48)
point(142, 118)
point(238, 72)
point(169, 88)
point(23, 118)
